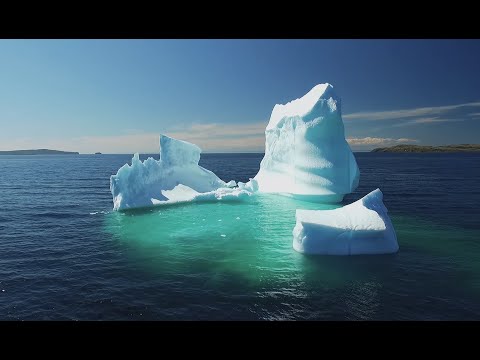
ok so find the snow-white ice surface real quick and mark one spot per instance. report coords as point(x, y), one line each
point(176, 177)
point(306, 154)
point(362, 227)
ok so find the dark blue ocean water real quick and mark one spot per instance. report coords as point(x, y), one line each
point(65, 256)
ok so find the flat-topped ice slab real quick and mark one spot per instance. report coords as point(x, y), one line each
point(362, 227)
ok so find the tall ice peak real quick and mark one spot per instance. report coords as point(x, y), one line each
point(306, 154)
point(302, 106)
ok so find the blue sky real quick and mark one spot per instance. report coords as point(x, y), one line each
point(116, 96)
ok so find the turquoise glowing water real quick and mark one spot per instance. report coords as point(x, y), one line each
point(250, 241)
point(65, 255)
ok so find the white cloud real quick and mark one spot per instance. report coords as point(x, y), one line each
point(406, 113)
point(430, 120)
point(209, 131)
point(426, 121)
point(375, 141)
point(224, 137)
point(236, 138)
point(210, 138)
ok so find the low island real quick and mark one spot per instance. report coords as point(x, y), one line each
point(38, 152)
point(429, 149)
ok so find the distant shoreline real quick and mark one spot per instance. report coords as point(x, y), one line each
point(464, 148)
point(38, 152)
point(430, 149)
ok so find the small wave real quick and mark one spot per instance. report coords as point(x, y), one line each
point(99, 212)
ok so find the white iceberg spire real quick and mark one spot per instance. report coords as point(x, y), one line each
point(306, 153)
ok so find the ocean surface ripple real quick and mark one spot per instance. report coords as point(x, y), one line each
point(64, 255)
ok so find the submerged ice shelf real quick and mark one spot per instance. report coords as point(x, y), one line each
point(306, 157)
point(362, 227)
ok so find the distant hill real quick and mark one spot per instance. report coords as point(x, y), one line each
point(429, 149)
point(38, 152)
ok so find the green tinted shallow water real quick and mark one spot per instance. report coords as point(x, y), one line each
point(243, 251)
point(251, 240)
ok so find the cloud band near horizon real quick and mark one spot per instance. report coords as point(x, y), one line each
point(214, 137)
point(238, 138)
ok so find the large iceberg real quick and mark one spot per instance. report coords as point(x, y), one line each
point(362, 227)
point(306, 154)
point(176, 177)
